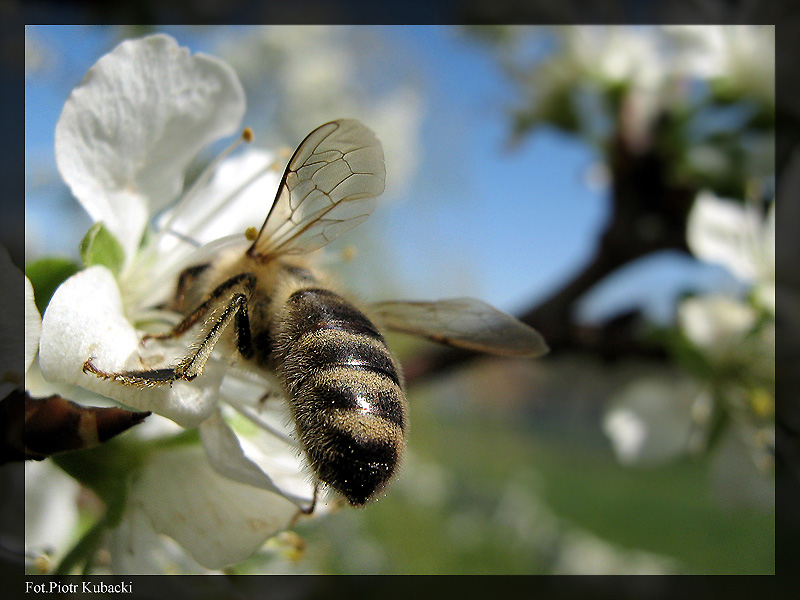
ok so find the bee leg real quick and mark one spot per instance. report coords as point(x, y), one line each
point(246, 281)
point(185, 281)
point(235, 310)
point(313, 505)
point(308, 510)
point(143, 379)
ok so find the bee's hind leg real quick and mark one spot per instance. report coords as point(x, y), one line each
point(307, 510)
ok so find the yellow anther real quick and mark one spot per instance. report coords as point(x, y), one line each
point(41, 564)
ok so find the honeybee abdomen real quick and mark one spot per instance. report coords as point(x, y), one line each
point(345, 393)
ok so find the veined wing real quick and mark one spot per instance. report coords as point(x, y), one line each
point(329, 187)
point(463, 322)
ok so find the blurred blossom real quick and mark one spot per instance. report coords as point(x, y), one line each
point(652, 420)
point(124, 156)
point(738, 238)
point(729, 346)
point(718, 326)
point(606, 60)
point(523, 521)
point(739, 59)
point(615, 55)
point(427, 482)
point(701, 98)
point(586, 554)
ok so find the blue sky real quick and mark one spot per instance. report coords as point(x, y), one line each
point(478, 218)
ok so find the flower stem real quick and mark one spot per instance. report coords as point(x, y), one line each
point(84, 550)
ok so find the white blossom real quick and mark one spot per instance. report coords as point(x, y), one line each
point(123, 143)
point(319, 73)
point(738, 238)
point(616, 55)
point(652, 420)
point(740, 57)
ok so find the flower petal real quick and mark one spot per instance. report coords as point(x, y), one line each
point(650, 421)
point(221, 208)
point(33, 325)
point(51, 509)
point(136, 549)
point(721, 231)
point(12, 335)
point(217, 520)
point(279, 468)
point(84, 319)
point(237, 197)
point(130, 129)
point(718, 325)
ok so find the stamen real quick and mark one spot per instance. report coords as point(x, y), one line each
point(202, 180)
point(251, 233)
point(233, 194)
point(182, 237)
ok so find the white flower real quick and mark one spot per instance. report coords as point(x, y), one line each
point(123, 143)
point(616, 55)
point(219, 522)
point(733, 342)
point(738, 238)
point(742, 58)
point(656, 419)
point(717, 325)
point(596, 59)
point(130, 129)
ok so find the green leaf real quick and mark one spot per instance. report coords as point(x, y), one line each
point(100, 247)
point(46, 275)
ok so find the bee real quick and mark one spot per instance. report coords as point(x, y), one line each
point(344, 387)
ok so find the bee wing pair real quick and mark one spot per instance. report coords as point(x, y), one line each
point(330, 185)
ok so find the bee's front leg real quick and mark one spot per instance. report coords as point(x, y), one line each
point(233, 296)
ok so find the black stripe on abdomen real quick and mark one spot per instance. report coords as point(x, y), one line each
point(336, 390)
point(317, 308)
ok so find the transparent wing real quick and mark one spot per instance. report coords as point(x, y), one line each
point(463, 322)
point(329, 187)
